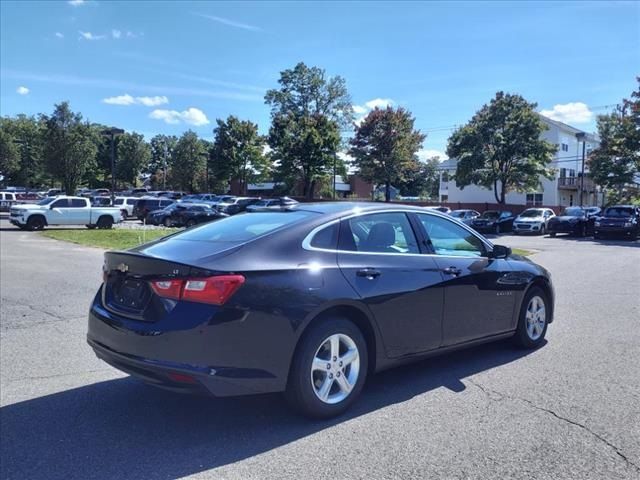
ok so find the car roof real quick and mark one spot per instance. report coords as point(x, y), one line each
point(347, 207)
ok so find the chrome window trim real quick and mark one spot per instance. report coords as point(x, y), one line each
point(306, 243)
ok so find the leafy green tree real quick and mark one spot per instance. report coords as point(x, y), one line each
point(423, 180)
point(307, 112)
point(27, 134)
point(500, 148)
point(70, 146)
point(9, 156)
point(188, 162)
point(385, 145)
point(615, 163)
point(134, 155)
point(238, 152)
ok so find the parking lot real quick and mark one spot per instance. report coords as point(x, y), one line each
point(568, 410)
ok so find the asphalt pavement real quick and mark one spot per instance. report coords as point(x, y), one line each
point(569, 410)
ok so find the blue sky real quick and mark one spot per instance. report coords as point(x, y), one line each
point(166, 67)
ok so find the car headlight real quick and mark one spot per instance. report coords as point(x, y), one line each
point(628, 224)
point(597, 223)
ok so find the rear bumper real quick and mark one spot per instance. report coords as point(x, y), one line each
point(216, 353)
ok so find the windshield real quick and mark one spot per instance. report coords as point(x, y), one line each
point(619, 212)
point(241, 228)
point(46, 201)
point(573, 212)
point(532, 213)
point(490, 214)
point(458, 213)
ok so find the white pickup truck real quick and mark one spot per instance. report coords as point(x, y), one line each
point(63, 210)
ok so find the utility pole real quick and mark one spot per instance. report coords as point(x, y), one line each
point(112, 132)
point(582, 136)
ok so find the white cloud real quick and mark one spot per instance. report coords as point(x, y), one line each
point(573, 112)
point(130, 35)
point(190, 116)
point(59, 35)
point(76, 3)
point(357, 109)
point(91, 36)
point(229, 22)
point(127, 99)
point(116, 34)
point(426, 154)
point(22, 90)
point(379, 103)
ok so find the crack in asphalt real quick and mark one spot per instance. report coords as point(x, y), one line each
point(498, 396)
point(58, 375)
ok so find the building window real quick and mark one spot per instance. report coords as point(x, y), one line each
point(534, 199)
point(565, 147)
point(572, 173)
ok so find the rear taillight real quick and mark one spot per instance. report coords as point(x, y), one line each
point(214, 290)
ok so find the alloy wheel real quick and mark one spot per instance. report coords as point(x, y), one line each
point(335, 368)
point(536, 317)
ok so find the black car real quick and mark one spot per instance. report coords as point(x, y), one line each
point(309, 300)
point(100, 201)
point(494, 221)
point(574, 221)
point(236, 205)
point(623, 220)
point(268, 204)
point(146, 205)
point(184, 214)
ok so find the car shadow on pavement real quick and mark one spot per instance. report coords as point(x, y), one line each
point(124, 429)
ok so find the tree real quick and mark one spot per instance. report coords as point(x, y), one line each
point(9, 156)
point(615, 164)
point(238, 152)
point(134, 154)
point(307, 112)
point(385, 145)
point(188, 162)
point(27, 135)
point(70, 146)
point(500, 148)
point(423, 180)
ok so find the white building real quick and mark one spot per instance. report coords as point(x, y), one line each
point(562, 190)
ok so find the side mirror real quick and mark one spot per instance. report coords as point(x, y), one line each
point(499, 251)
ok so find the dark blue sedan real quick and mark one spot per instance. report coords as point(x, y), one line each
point(310, 299)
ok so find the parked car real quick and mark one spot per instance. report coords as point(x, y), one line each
point(236, 205)
point(533, 220)
point(574, 221)
point(440, 209)
point(181, 215)
point(271, 204)
point(623, 220)
point(52, 192)
point(173, 195)
point(145, 205)
point(310, 301)
point(63, 210)
point(7, 199)
point(465, 216)
point(493, 221)
point(101, 201)
point(125, 204)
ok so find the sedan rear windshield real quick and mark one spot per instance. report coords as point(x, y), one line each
point(241, 228)
point(573, 212)
point(490, 214)
point(618, 212)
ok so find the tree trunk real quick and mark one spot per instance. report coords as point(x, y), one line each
point(310, 188)
point(387, 191)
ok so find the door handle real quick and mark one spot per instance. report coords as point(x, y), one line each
point(369, 273)
point(452, 271)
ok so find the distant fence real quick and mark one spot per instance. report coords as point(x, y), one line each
point(480, 207)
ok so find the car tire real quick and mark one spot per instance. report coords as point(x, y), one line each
point(36, 222)
point(105, 222)
point(543, 229)
point(91, 227)
point(597, 236)
point(552, 234)
point(190, 223)
point(533, 319)
point(497, 229)
point(167, 222)
point(327, 391)
point(125, 215)
point(583, 231)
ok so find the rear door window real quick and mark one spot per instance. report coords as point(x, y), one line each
point(379, 233)
point(78, 203)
